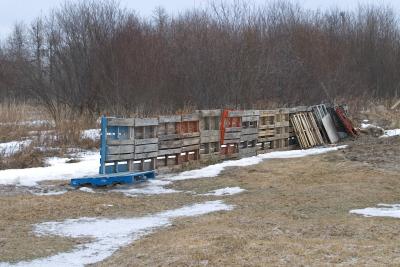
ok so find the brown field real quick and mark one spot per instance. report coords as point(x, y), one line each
point(295, 212)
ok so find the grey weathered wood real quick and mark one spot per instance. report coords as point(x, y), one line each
point(190, 117)
point(121, 142)
point(233, 135)
point(139, 142)
point(190, 141)
point(206, 133)
point(246, 131)
point(233, 129)
point(209, 139)
point(120, 122)
point(210, 113)
point(190, 148)
point(168, 137)
point(189, 135)
point(146, 122)
point(146, 148)
point(169, 119)
point(163, 152)
point(250, 118)
point(249, 137)
point(119, 157)
point(146, 155)
point(120, 149)
point(170, 144)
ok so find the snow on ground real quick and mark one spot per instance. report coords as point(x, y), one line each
point(228, 191)
point(87, 189)
point(59, 169)
point(216, 169)
point(9, 148)
point(151, 187)
point(49, 193)
point(110, 234)
point(93, 134)
point(393, 132)
point(383, 210)
point(28, 123)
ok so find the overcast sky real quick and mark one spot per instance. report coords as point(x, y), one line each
point(12, 11)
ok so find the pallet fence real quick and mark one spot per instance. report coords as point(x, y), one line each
point(168, 143)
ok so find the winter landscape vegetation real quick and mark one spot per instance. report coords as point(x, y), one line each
point(336, 204)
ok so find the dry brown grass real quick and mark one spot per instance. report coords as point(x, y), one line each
point(65, 133)
point(295, 212)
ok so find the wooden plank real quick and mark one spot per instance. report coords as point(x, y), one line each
point(190, 141)
point(146, 141)
point(120, 122)
point(190, 117)
point(168, 137)
point(169, 119)
point(249, 137)
point(210, 113)
point(120, 149)
point(173, 151)
point(121, 142)
point(207, 133)
point(119, 157)
point(209, 139)
point(146, 122)
point(170, 144)
point(250, 112)
point(235, 135)
point(190, 148)
point(146, 155)
point(249, 131)
point(250, 118)
point(233, 129)
point(146, 148)
point(189, 135)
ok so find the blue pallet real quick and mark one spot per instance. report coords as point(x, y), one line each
point(114, 178)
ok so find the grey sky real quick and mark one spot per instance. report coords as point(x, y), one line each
point(12, 11)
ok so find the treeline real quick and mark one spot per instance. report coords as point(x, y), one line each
point(94, 56)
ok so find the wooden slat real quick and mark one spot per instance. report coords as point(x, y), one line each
point(190, 117)
point(146, 122)
point(146, 141)
point(190, 141)
point(170, 144)
point(169, 119)
point(121, 142)
point(120, 149)
point(146, 148)
point(120, 122)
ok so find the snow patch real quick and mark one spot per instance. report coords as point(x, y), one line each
point(9, 148)
point(58, 170)
point(151, 187)
point(216, 169)
point(383, 210)
point(86, 189)
point(93, 134)
point(228, 191)
point(389, 133)
point(110, 234)
point(49, 193)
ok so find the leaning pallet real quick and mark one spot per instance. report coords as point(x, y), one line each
point(306, 130)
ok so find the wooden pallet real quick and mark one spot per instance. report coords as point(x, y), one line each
point(306, 129)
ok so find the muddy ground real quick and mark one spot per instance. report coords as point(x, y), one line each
point(295, 212)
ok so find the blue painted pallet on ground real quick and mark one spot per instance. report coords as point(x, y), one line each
point(115, 178)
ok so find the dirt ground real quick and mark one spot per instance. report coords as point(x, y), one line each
point(295, 212)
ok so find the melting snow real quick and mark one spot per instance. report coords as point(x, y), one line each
point(86, 189)
point(228, 191)
point(383, 210)
point(58, 170)
point(93, 134)
point(216, 169)
point(110, 234)
point(389, 133)
point(151, 187)
point(7, 149)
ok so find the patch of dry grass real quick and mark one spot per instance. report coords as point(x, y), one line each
point(294, 212)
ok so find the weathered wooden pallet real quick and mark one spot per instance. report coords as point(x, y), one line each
point(306, 130)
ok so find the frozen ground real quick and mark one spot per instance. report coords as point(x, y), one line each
point(110, 234)
point(382, 210)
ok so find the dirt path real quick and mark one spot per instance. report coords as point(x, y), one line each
point(294, 212)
